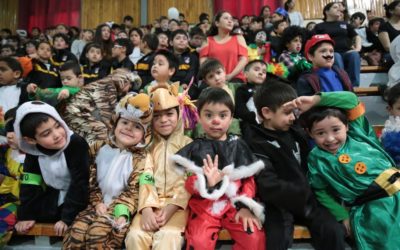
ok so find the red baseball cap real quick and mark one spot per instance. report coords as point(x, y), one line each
point(315, 39)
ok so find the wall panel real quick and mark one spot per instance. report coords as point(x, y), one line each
point(191, 8)
point(9, 14)
point(95, 12)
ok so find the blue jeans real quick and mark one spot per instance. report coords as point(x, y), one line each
point(351, 62)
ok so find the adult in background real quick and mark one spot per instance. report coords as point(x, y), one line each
point(266, 14)
point(389, 30)
point(347, 42)
point(102, 36)
point(230, 50)
point(295, 17)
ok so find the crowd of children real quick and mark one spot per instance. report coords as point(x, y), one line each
point(94, 134)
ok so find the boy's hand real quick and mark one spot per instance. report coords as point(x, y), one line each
point(149, 221)
point(346, 224)
point(120, 220)
point(101, 209)
point(211, 171)
point(24, 226)
point(31, 88)
point(60, 227)
point(303, 103)
point(163, 215)
point(248, 220)
point(64, 94)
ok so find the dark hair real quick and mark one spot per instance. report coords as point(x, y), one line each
point(83, 59)
point(173, 61)
point(174, 20)
point(71, 65)
point(12, 48)
point(178, 32)
point(63, 36)
point(106, 45)
point(286, 5)
point(249, 64)
point(128, 18)
point(309, 23)
point(163, 18)
point(327, 7)
point(151, 40)
point(182, 15)
point(291, 33)
point(358, 15)
point(213, 29)
point(374, 20)
point(390, 7)
point(8, 31)
point(9, 118)
point(393, 94)
point(33, 42)
point(31, 122)
point(203, 16)
point(317, 114)
point(258, 20)
point(209, 65)
point(263, 8)
point(276, 23)
point(196, 31)
point(312, 50)
point(115, 26)
point(125, 42)
point(139, 31)
point(212, 95)
point(45, 42)
point(272, 94)
point(12, 63)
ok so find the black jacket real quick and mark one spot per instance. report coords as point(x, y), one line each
point(44, 75)
point(282, 184)
point(40, 203)
point(95, 72)
point(188, 68)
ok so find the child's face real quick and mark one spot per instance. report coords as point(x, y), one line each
point(160, 70)
point(180, 42)
point(44, 51)
point(118, 50)
point(11, 140)
point(162, 41)
point(375, 27)
point(94, 55)
point(329, 134)
point(135, 38)
point(394, 110)
point(280, 120)
point(323, 56)
point(276, 17)
point(59, 43)
point(215, 118)
point(122, 35)
point(294, 45)
point(49, 135)
point(281, 27)
point(6, 52)
point(61, 29)
point(164, 24)
point(256, 26)
point(216, 78)
point(68, 78)
point(172, 26)
point(165, 121)
point(356, 22)
point(256, 74)
point(87, 36)
point(196, 41)
point(30, 49)
point(105, 33)
point(128, 133)
point(7, 75)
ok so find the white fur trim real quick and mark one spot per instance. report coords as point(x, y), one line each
point(392, 124)
point(232, 189)
point(218, 206)
point(243, 172)
point(255, 207)
point(186, 163)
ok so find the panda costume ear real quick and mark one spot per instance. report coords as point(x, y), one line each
point(173, 13)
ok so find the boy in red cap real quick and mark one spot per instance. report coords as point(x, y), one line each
point(324, 77)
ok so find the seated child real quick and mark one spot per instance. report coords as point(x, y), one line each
point(10, 83)
point(350, 167)
point(93, 66)
point(11, 168)
point(148, 46)
point(276, 37)
point(221, 180)
point(162, 213)
point(188, 65)
point(163, 40)
point(114, 179)
point(120, 52)
point(44, 73)
point(7, 50)
point(292, 42)
point(255, 72)
point(72, 80)
point(164, 66)
point(62, 53)
point(391, 132)
point(282, 185)
point(325, 77)
point(54, 186)
point(89, 112)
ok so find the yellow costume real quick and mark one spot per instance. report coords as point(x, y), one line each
point(161, 185)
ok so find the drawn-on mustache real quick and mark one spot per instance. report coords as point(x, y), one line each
point(328, 57)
